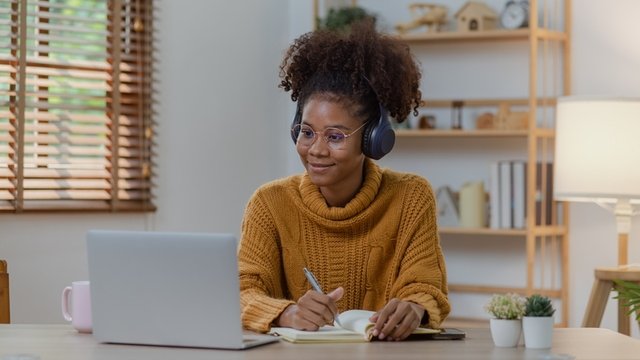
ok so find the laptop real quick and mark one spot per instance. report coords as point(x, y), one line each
point(171, 289)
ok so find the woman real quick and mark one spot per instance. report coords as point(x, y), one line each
point(368, 234)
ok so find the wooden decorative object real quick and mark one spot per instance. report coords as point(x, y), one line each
point(423, 14)
point(518, 120)
point(476, 16)
point(486, 121)
point(511, 120)
point(427, 122)
point(456, 115)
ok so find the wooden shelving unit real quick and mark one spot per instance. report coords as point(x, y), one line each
point(538, 139)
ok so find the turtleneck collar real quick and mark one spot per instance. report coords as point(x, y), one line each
point(315, 202)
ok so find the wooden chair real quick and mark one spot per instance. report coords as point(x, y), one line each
point(602, 287)
point(4, 293)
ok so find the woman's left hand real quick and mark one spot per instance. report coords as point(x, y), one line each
point(397, 320)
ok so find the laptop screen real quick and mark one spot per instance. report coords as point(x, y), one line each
point(178, 289)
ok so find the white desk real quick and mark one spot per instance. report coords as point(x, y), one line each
point(61, 342)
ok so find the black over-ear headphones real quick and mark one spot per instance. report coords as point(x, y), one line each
point(378, 136)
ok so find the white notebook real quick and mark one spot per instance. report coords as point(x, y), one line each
point(356, 327)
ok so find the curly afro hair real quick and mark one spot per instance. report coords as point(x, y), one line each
point(360, 68)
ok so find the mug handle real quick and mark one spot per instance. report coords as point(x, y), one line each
point(65, 303)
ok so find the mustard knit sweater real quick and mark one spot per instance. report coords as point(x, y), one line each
point(383, 244)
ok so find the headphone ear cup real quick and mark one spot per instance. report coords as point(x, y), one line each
point(378, 137)
point(296, 120)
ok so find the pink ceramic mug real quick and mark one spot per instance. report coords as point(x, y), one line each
point(80, 314)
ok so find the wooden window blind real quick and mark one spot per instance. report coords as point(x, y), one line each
point(76, 105)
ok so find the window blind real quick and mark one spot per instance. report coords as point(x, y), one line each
point(76, 128)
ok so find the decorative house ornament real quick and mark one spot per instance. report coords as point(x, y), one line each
point(423, 14)
point(476, 16)
point(448, 213)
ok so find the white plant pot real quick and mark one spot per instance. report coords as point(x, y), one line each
point(505, 333)
point(538, 332)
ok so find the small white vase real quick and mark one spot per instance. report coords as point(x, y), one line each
point(538, 332)
point(505, 333)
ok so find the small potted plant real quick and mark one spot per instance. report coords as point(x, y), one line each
point(537, 323)
point(506, 324)
point(340, 19)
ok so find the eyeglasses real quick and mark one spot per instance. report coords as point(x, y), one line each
point(334, 137)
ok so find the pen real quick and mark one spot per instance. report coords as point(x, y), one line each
point(316, 286)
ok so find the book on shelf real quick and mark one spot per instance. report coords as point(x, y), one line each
point(508, 194)
point(544, 194)
point(494, 195)
point(356, 327)
point(519, 197)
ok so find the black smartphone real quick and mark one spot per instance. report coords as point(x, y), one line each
point(448, 334)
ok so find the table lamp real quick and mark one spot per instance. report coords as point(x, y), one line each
point(597, 157)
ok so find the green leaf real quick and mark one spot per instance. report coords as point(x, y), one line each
point(629, 295)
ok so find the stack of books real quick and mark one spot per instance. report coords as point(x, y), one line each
point(508, 194)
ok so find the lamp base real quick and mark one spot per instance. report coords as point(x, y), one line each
point(623, 246)
point(602, 286)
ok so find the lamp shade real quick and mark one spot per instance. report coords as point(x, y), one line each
point(597, 151)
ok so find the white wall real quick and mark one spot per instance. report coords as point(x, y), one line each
point(220, 121)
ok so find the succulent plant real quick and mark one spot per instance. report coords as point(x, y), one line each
point(506, 306)
point(539, 306)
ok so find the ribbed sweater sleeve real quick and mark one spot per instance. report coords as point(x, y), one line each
point(261, 290)
point(421, 273)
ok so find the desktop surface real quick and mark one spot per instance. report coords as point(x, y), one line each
point(62, 342)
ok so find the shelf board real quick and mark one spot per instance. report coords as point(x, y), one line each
point(538, 231)
point(448, 103)
point(483, 289)
point(545, 133)
point(460, 133)
point(550, 230)
point(488, 35)
point(481, 231)
point(488, 133)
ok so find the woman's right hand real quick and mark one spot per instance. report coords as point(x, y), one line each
point(312, 311)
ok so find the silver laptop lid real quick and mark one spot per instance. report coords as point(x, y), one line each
point(174, 289)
